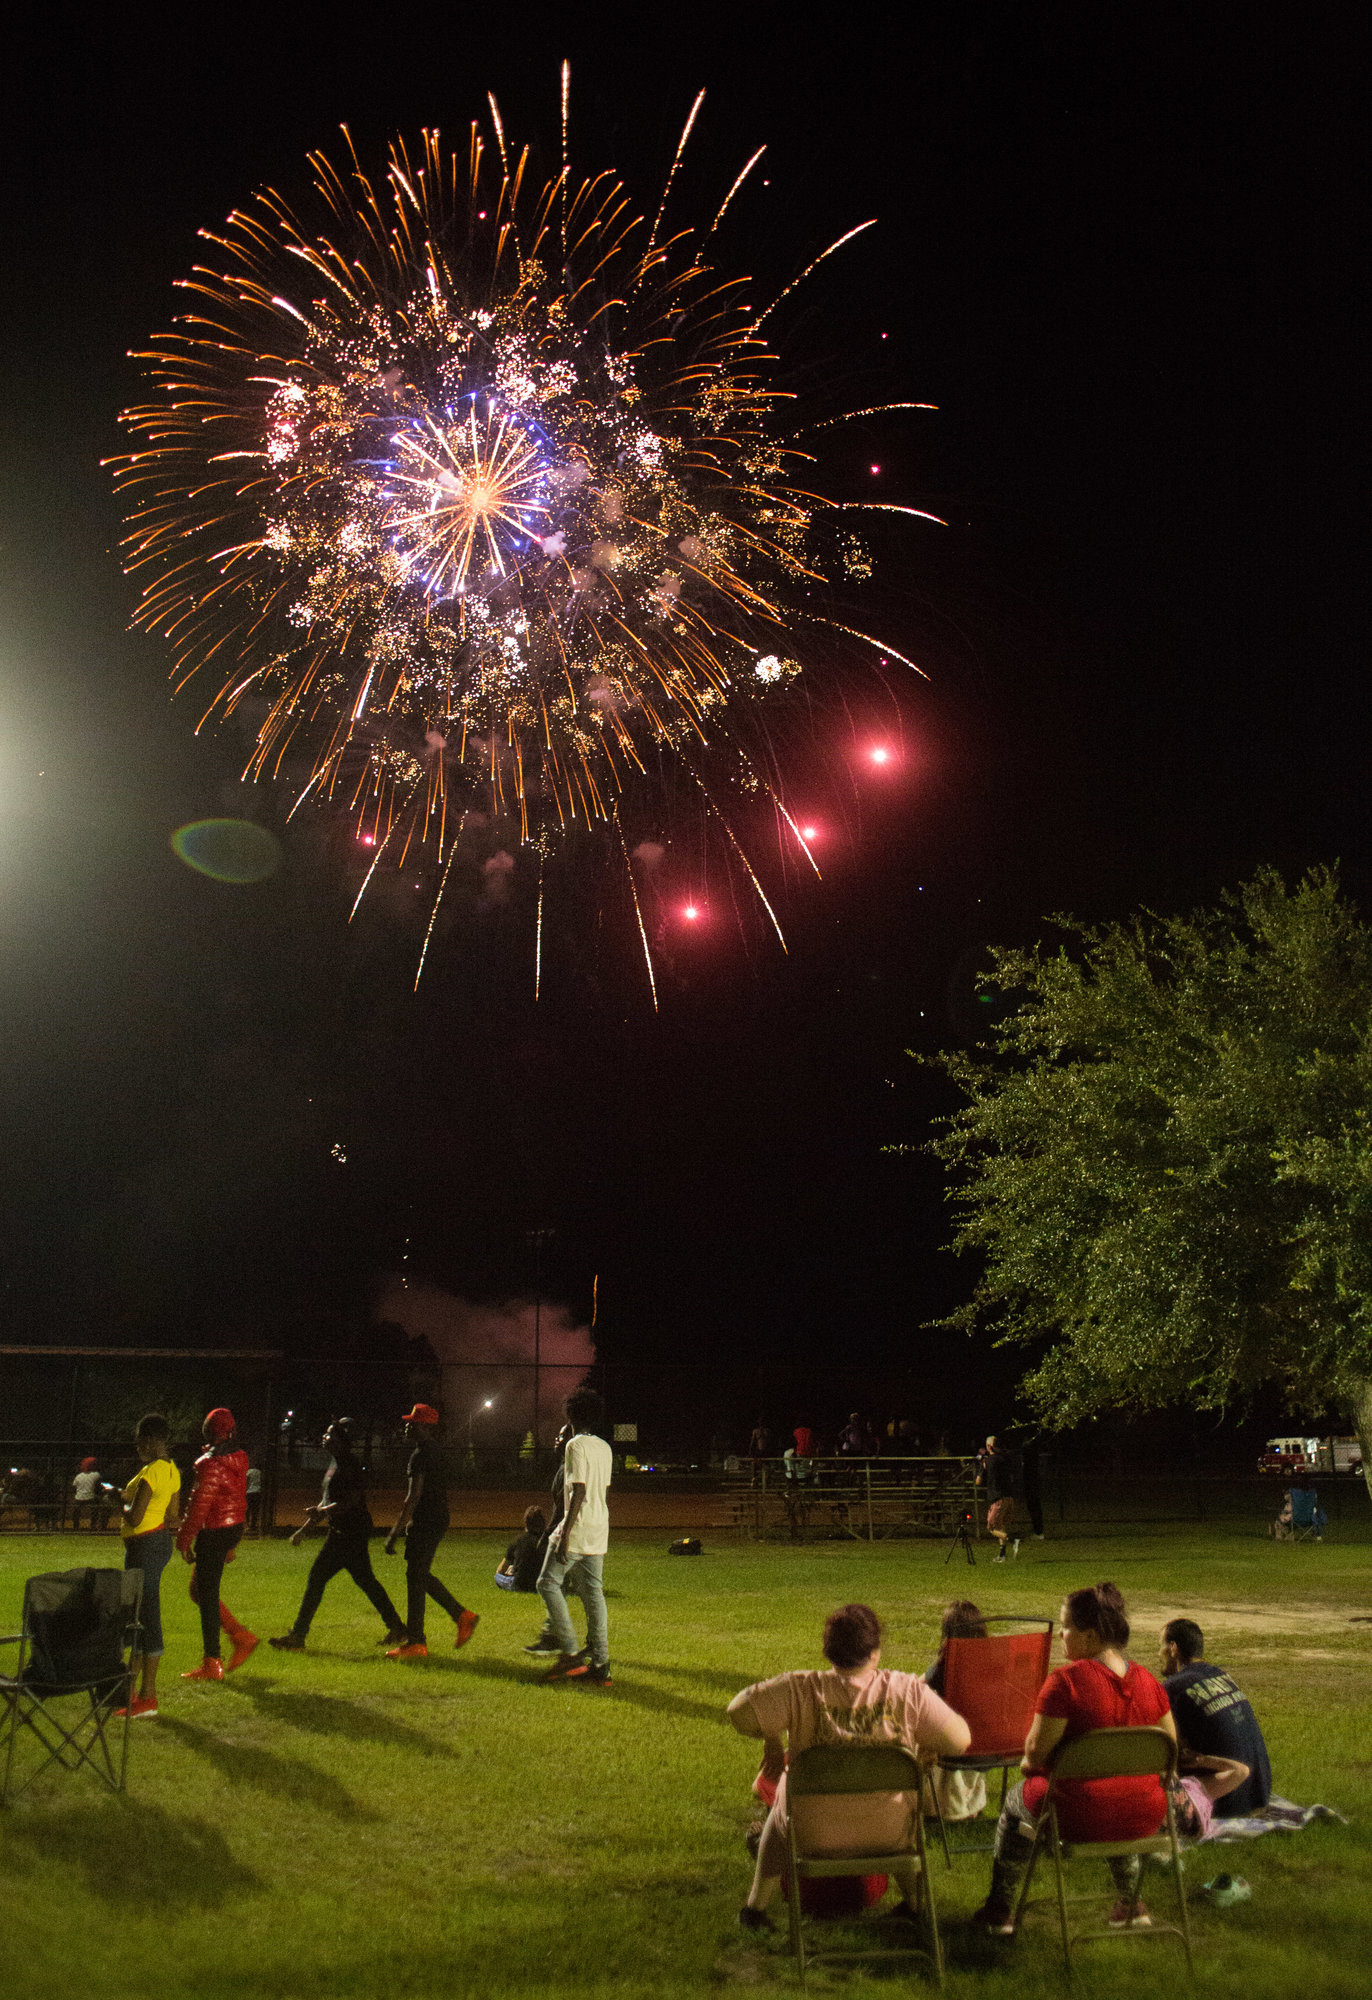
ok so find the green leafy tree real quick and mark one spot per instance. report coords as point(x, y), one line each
point(1164, 1159)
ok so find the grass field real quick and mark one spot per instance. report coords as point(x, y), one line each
point(331, 1825)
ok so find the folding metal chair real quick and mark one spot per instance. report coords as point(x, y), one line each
point(993, 1684)
point(77, 1626)
point(847, 1771)
point(1109, 1753)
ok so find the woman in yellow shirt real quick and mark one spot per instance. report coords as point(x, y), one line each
point(151, 1507)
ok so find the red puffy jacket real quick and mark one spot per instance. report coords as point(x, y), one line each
point(220, 1497)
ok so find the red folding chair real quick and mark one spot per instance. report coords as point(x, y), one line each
point(993, 1684)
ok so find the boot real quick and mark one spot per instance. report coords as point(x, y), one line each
point(211, 1668)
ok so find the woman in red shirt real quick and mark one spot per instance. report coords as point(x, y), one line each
point(1099, 1688)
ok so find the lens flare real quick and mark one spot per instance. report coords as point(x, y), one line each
point(228, 850)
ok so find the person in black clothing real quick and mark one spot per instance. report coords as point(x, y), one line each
point(424, 1522)
point(1213, 1718)
point(1033, 1491)
point(342, 1506)
point(524, 1557)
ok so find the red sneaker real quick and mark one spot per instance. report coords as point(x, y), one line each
point(138, 1708)
point(210, 1669)
point(466, 1625)
point(407, 1652)
point(244, 1646)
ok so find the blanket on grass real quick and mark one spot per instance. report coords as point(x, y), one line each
point(1277, 1816)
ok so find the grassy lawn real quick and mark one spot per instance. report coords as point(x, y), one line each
point(330, 1824)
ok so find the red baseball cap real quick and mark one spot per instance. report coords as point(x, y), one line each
point(422, 1413)
point(220, 1424)
point(90, 1465)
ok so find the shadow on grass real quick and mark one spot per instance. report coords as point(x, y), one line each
point(330, 1715)
point(281, 1777)
point(135, 1855)
point(659, 1700)
point(720, 1677)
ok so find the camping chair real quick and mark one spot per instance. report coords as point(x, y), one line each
point(843, 1770)
point(993, 1684)
point(1110, 1753)
point(1308, 1518)
point(77, 1624)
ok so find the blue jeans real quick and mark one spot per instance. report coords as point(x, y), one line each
point(581, 1574)
point(151, 1553)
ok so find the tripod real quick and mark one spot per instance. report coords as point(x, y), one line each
point(961, 1540)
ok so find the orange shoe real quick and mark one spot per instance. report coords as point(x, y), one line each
point(210, 1669)
point(407, 1652)
point(244, 1646)
point(466, 1625)
point(140, 1707)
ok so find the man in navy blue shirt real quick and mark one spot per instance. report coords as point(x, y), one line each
point(1213, 1717)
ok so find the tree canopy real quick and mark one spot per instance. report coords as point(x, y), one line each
point(1164, 1158)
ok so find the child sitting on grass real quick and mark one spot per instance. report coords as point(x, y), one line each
point(524, 1557)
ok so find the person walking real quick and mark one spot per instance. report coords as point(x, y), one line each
point(576, 1551)
point(1001, 1476)
point(342, 1506)
point(208, 1538)
point(546, 1642)
point(149, 1507)
point(424, 1522)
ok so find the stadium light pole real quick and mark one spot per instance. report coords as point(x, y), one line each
point(538, 1237)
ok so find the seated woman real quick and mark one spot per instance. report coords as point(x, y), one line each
point(1098, 1689)
point(856, 1701)
point(954, 1794)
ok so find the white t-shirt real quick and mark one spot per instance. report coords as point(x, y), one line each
point(85, 1486)
point(587, 1462)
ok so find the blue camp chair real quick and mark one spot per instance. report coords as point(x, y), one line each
point(1308, 1518)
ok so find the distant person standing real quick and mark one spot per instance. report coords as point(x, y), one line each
point(855, 1440)
point(254, 1499)
point(1001, 1476)
point(342, 1506)
point(209, 1535)
point(576, 1551)
point(85, 1494)
point(761, 1444)
point(1033, 1490)
point(424, 1522)
point(151, 1502)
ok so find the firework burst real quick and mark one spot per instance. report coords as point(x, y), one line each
point(476, 499)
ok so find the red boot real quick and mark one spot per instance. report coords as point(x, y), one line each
point(210, 1669)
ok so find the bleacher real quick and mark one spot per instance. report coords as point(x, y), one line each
point(867, 1498)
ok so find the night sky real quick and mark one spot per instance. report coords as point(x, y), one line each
point(1117, 249)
